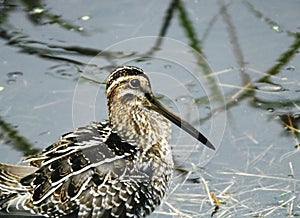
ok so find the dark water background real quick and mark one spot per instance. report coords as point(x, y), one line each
point(229, 67)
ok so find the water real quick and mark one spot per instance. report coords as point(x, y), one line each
point(55, 58)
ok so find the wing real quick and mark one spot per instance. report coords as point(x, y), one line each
point(81, 138)
point(10, 186)
point(84, 164)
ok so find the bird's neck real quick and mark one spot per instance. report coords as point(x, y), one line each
point(139, 126)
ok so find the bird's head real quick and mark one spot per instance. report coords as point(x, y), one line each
point(129, 94)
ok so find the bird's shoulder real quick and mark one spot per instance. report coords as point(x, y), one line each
point(95, 142)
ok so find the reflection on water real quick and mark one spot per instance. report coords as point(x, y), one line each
point(10, 136)
point(47, 49)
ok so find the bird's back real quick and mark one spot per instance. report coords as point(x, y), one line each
point(90, 172)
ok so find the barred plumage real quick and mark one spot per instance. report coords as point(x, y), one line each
point(121, 167)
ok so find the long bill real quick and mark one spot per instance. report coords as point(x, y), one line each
point(158, 107)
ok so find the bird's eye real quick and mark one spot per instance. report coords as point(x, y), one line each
point(135, 83)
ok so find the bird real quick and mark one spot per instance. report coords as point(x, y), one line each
point(120, 167)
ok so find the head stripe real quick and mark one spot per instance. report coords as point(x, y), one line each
point(123, 71)
point(116, 76)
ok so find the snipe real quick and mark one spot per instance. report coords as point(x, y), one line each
point(121, 167)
